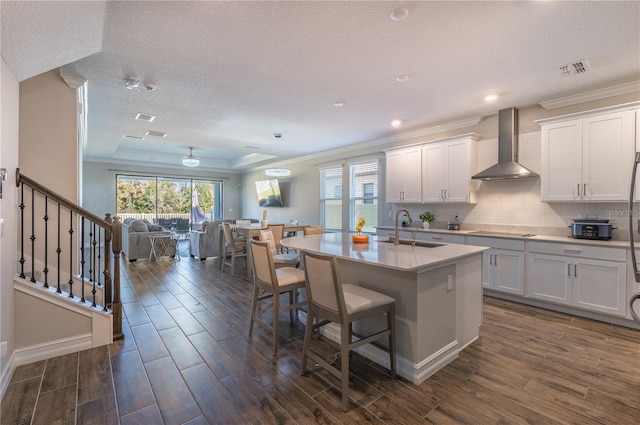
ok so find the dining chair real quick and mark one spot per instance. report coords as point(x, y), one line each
point(343, 303)
point(273, 282)
point(278, 234)
point(279, 259)
point(236, 248)
point(312, 230)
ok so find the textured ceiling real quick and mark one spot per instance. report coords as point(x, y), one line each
point(229, 75)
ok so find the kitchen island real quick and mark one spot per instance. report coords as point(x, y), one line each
point(437, 288)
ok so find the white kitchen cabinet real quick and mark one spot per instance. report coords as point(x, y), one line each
point(502, 265)
point(598, 283)
point(586, 157)
point(404, 175)
point(448, 167)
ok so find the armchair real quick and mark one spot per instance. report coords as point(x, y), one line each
point(204, 243)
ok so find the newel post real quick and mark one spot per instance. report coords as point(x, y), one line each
point(116, 247)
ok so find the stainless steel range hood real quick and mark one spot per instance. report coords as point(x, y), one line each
point(507, 166)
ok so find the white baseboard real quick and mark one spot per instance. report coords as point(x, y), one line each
point(7, 374)
point(52, 349)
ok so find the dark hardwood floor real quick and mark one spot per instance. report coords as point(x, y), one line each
point(186, 359)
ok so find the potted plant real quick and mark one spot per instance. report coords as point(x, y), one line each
point(427, 218)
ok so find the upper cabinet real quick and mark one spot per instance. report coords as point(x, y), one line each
point(439, 171)
point(404, 175)
point(448, 170)
point(588, 157)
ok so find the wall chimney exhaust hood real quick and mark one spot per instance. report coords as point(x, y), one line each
point(507, 166)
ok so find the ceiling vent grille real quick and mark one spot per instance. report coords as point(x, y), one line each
point(156, 133)
point(133, 137)
point(145, 117)
point(575, 68)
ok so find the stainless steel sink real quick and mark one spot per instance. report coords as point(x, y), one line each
point(423, 244)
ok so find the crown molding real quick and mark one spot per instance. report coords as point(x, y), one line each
point(620, 89)
point(72, 81)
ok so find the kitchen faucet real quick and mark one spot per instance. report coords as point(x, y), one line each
point(396, 239)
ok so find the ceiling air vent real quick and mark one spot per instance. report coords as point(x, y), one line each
point(133, 137)
point(156, 133)
point(575, 68)
point(145, 117)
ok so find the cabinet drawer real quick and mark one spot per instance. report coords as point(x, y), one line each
point(581, 251)
point(441, 237)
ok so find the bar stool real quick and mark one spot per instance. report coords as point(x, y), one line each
point(273, 282)
point(343, 304)
point(279, 260)
point(234, 247)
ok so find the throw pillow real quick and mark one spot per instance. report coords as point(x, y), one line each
point(139, 226)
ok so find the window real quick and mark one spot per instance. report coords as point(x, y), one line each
point(363, 179)
point(171, 202)
point(331, 198)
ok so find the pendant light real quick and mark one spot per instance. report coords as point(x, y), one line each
point(190, 161)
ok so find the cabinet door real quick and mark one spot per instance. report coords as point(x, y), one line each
point(600, 286)
point(550, 278)
point(608, 145)
point(457, 176)
point(434, 182)
point(487, 269)
point(508, 271)
point(562, 161)
point(404, 175)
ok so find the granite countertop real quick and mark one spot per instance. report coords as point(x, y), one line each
point(381, 252)
point(520, 235)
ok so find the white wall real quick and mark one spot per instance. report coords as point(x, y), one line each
point(49, 133)
point(99, 185)
point(9, 99)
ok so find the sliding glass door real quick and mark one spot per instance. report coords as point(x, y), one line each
point(174, 203)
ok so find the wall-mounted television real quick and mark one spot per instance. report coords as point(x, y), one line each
point(269, 194)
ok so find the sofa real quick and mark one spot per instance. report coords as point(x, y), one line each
point(204, 243)
point(135, 238)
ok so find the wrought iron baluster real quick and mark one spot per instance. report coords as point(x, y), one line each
point(59, 250)
point(82, 260)
point(22, 260)
point(33, 236)
point(70, 282)
point(46, 242)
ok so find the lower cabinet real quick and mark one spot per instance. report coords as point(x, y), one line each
point(502, 265)
point(588, 283)
point(503, 270)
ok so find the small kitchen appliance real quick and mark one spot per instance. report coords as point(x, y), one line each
point(591, 228)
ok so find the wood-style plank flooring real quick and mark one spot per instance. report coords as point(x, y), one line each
point(186, 359)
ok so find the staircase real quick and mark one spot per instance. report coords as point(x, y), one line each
point(67, 287)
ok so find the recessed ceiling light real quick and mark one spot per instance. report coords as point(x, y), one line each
point(490, 97)
point(399, 13)
point(131, 83)
point(402, 78)
point(339, 103)
point(396, 123)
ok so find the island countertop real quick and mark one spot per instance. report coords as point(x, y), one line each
point(380, 252)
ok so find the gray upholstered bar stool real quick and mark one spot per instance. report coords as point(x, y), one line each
point(343, 304)
point(273, 282)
